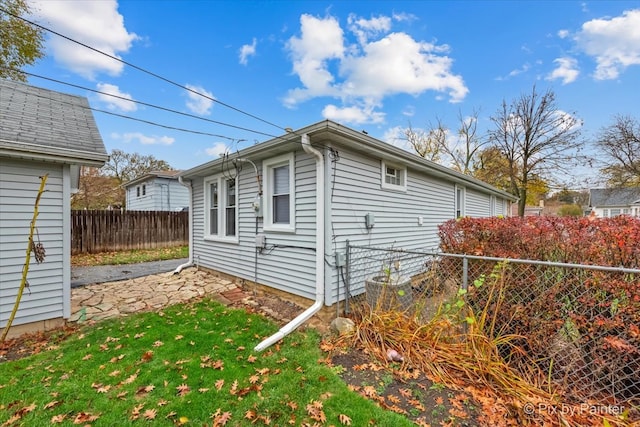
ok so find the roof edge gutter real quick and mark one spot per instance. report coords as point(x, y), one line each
point(189, 262)
point(319, 302)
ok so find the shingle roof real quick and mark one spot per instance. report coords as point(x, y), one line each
point(41, 121)
point(603, 197)
point(173, 174)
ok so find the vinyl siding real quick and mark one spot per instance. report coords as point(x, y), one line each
point(19, 184)
point(161, 194)
point(355, 190)
point(288, 262)
point(352, 189)
point(477, 204)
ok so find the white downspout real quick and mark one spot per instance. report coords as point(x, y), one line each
point(189, 262)
point(304, 316)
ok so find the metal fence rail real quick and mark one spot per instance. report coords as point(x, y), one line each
point(579, 325)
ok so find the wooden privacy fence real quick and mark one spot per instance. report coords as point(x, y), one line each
point(94, 231)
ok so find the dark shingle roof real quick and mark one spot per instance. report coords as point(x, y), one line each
point(602, 197)
point(36, 120)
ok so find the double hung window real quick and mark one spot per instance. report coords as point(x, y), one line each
point(279, 197)
point(221, 210)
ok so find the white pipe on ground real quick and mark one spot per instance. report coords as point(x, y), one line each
point(189, 262)
point(309, 312)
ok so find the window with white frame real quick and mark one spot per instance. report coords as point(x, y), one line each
point(221, 210)
point(460, 196)
point(393, 177)
point(279, 193)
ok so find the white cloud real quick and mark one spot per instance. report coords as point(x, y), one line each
point(95, 23)
point(246, 51)
point(614, 43)
point(198, 104)
point(217, 150)
point(143, 139)
point(353, 114)
point(377, 65)
point(116, 103)
point(366, 28)
point(321, 40)
point(566, 70)
point(563, 34)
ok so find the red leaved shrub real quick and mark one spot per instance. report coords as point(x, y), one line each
point(583, 325)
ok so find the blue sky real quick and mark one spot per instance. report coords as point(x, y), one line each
point(371, 65)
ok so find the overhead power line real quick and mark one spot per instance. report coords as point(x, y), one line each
point(146, 104)
point(142, 69)
point(142, 120)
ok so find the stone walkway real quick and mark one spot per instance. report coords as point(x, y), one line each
point(115, 299)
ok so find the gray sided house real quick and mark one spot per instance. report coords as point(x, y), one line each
point(321, 186)
point(156, 191)
point(609, 202)
point(41, 132)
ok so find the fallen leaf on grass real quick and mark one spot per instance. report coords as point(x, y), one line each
point(314, 410)
point(344, 420)
point(57, 419)
point(221, 419)
point(219, 384)
point(183, 389)
point(51, 404)
point(150, 414)
point(85, 417)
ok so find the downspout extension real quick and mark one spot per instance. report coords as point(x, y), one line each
point(189, 262)
point(319, 302)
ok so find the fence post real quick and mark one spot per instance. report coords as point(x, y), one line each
point(465, 273)
point(347, 280)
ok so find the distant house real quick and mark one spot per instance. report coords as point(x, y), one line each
point(41, 132)
point(282, 216)
point(609, 202)
point(156, 191)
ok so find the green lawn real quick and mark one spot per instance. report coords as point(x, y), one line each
point(187, 365)
point(130, 257)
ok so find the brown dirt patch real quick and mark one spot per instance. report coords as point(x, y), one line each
point(406, 391)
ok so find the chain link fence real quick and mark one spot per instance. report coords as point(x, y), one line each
point(576, 326)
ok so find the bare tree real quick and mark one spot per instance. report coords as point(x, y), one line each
point(620, 143)
point(428, 144)
point(465, 150)
point(438, 144)
point(536, 138)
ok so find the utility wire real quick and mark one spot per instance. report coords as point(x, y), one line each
point(144, 103)
point(142, 120)
point(141, 69)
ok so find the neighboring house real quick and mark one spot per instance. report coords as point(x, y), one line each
point(609, 202)
point(528, 210)
point(41, 132)
point(156, 191)
point(321, 186)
